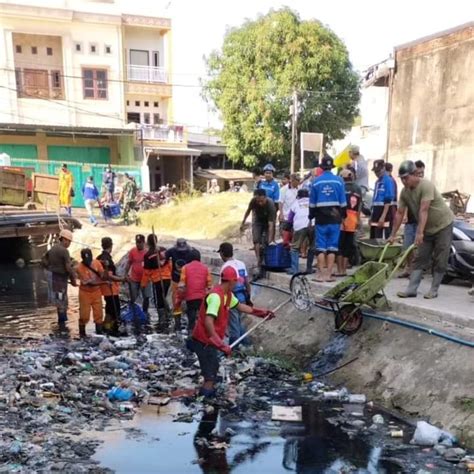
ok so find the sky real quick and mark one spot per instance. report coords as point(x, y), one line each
point(369, 28)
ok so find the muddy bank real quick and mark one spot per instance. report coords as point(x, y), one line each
point(417, 374)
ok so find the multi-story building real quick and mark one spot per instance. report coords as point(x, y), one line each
point(85, 82)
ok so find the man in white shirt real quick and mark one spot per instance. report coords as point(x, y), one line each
point(302, 231)
point(242, 291)
point(287, 198)
point(359, 164)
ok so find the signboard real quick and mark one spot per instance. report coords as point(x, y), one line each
point(311, 147)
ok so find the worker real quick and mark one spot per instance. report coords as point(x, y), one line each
point(384, 194)
point(194, 284)
point(434, 230)
point(90, 193)
point(287, 198)
point(157, 271)
point(393, 205)
point(263, 224)
point(269, 184)
point(91, 275)
point(350, 224)
point(110, 287)
point(134, 272)
point(209, 332)
point(242, 291)
point(303, 233)
point(327, 204)
point(58, 265)
point(180, 255)
point(359, 164)
point(128, 198)
point(65, 188)
point(108, 184)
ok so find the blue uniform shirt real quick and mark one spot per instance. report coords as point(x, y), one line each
point(272, 189)
point(328, 197)
point(90, 191)
point(384, 192)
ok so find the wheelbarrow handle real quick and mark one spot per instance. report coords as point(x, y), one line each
point(402, 260)
point(384, 251)
point(252, 329)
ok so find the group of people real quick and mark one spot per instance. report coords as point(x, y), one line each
point(213, 313)
point(103, 197)
point(320, 216)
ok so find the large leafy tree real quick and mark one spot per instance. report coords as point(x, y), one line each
point(252, 79)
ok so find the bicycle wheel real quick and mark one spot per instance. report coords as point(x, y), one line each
point(300, 292)
point(348, 319)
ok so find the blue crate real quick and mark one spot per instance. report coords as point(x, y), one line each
point(277, 257)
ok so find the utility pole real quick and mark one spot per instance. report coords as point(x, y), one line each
point(293, 111)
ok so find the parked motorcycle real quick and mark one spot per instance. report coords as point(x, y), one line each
point(461, 258)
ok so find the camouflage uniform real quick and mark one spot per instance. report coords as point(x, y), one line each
point(129, 199)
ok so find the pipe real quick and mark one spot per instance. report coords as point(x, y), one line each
point(389, 319)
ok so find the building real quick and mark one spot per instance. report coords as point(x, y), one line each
point(86, 83)
point(431, 111)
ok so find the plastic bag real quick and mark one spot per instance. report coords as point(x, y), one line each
point(426, 434)
point(120, 394)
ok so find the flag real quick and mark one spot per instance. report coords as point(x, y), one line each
point(343, 158)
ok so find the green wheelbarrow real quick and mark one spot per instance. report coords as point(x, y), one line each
point(364, 288)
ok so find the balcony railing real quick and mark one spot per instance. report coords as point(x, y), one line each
point(164, 133)
point(147, 74)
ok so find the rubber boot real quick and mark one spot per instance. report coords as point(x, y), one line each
point(177, 323)
point(295, 262)
point(62, 320)
point(435, 283)
point(99, 329)
point(415, 280)
point(309, 261)
point(162, 325)
point(82, 330)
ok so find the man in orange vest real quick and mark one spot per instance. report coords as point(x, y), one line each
point(90, 274)
point(194, 284)
point(209, 332)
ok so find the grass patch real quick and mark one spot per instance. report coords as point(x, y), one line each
point(466, 404)
point(216, 216)
point(279, 361)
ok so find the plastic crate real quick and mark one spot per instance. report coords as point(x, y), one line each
point(111, 210)
point(277, 257)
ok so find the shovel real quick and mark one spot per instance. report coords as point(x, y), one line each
point(252, 329)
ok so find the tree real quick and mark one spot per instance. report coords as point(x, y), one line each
point(252, 79)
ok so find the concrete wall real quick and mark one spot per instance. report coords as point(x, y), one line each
point(432, 112)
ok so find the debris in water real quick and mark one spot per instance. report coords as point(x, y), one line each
point(281, 413)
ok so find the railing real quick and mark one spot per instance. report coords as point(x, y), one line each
point(164, 133)
point(147, 74)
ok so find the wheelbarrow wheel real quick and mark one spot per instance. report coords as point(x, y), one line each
point(348, 319)
point(300, 292)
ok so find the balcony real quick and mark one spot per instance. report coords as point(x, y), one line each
point(148, 74)
point(164, 133)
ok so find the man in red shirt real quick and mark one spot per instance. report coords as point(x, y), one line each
point(195, 282)
point(208, 334)
point(134, 270)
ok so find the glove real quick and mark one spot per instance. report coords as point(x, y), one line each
point(263, 313)
point(219, 344)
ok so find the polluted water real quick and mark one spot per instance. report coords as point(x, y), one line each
point(129, 405)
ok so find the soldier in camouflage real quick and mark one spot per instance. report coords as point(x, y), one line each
point(129, 199)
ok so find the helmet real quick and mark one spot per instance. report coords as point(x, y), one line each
point(269, 167)
point(406, 167)
point(327, 163)
point(354, 149)
point(346, 174)
point(66, 234)
point(229, 274)
point(379, 165)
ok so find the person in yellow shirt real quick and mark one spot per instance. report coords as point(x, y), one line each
point(66, 188)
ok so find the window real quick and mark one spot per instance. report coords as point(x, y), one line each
point(49, 51)
point(146, 103)
point(156, 58)
point(155, 104)
point(133, 117)
point(128, 102)
point(94, 82)
point(156, 119)
point(108, 49)
point(93, 48)
point(138, 57)
point(78, 47)
point(137, 103)
point(18, 48)
point(34, 50)
point(55, 80)
point(146, 118)
point(35, 83)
